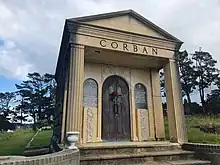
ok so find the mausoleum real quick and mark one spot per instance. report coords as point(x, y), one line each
point(109, 83)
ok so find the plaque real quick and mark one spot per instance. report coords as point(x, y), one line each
point(140, 96)
point(90, 93)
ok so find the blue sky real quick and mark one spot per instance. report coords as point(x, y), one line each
point(8, 84)
point(30, 31)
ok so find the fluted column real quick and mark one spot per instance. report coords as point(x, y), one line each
point(176, 118)
point(75, 93)
point(69, 91)
point(64, 114)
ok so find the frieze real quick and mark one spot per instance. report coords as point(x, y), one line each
point(128, 47)
point(124, 72)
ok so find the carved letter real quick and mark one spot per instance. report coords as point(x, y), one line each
point(135, 48)
point(103, 43)
point(125, 46)
point(154, 51)
point(114, 45)
point(145, 50)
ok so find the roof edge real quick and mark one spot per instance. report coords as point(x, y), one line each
point(125, 12)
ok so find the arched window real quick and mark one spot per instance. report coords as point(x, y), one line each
point(140, 96)
point(90, 93)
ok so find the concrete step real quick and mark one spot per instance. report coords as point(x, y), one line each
point(137, 158)
point(123, 147)
point(189, 162)
point(141, 162)
point(156, 155)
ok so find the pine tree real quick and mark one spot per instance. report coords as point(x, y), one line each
point(206, 71)
point(187, 74)
point(39, 92)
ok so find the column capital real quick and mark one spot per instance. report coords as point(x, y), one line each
point(172, 60)
point(78, 46)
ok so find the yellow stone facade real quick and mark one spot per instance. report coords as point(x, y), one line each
point(129, 46)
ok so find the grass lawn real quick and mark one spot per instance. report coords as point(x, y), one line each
point(42, 138)
point(14, 143)
point(194, 134)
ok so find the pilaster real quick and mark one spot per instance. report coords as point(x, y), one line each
point(99, 115)
point(134, 126)
point(151, 111)
point(157, 104)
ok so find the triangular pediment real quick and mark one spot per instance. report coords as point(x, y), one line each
point(129, 21)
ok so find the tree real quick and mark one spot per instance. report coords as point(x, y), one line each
point(38, 95)
point(5, 100)
point(23, 107)
point(50, 100)
point(187, 77)
point(206, 71)
point(187, 74)
point(213, 101)
point(162, 84)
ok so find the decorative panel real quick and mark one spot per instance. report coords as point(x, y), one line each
point(142, 124)
point(89, 121)
point(140, 96)
point(90, 93)
point(89, 124)
point(109, 70)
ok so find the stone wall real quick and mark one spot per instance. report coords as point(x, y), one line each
point(205, 151)
point(64, 157)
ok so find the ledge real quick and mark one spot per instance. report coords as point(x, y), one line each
point(201, 147)
point(64, 157)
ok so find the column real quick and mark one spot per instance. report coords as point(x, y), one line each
point(99, 116)
point(75, 93)
point(151, 111)
point(157, 104)
point(69, 91)
point(64, 116)
point(134, 126)
point(176, 119)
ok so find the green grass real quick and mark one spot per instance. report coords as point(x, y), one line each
point(194, 134)
point(42, 138)
point(14, 143)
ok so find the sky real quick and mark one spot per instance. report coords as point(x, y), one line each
point(30, 30)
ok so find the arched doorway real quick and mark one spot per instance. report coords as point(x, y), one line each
point(115, 109)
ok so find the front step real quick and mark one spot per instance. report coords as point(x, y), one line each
point(189, 162)
point(138, 158)
point(156, 155)
point(125, 147)
point(162, 153)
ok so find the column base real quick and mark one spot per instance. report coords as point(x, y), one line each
point(98, 139)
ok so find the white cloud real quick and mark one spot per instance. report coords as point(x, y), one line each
point(32, 29)
point(12, 61)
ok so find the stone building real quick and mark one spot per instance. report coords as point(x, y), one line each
point(108, 80)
